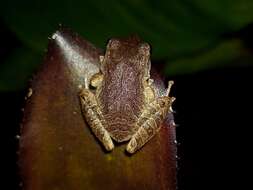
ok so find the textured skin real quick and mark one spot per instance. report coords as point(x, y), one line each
point(150, 122)
point(121, 95)
point(124, 105)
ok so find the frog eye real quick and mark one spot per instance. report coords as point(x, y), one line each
point(144, 48)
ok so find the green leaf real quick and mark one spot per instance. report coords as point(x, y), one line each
point(225, 53)
point(173, 27)
point(17, 68)
point(181, 32)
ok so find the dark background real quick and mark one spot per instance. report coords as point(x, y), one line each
point(213, 113)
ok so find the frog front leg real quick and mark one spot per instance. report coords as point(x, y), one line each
point(94, 118)
point(150, 120)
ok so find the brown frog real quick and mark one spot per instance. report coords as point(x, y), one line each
point(124, 105)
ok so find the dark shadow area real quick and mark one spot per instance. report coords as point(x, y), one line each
point(214, 117)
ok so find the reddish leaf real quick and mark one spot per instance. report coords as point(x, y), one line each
point(58, 150)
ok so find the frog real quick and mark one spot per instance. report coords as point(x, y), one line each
point(120, 103)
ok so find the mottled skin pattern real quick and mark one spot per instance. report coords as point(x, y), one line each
point(121, 95)
point(124, 106)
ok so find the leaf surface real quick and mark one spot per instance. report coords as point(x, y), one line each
point(58, 150)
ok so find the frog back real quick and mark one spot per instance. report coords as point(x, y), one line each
point(121, 98)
